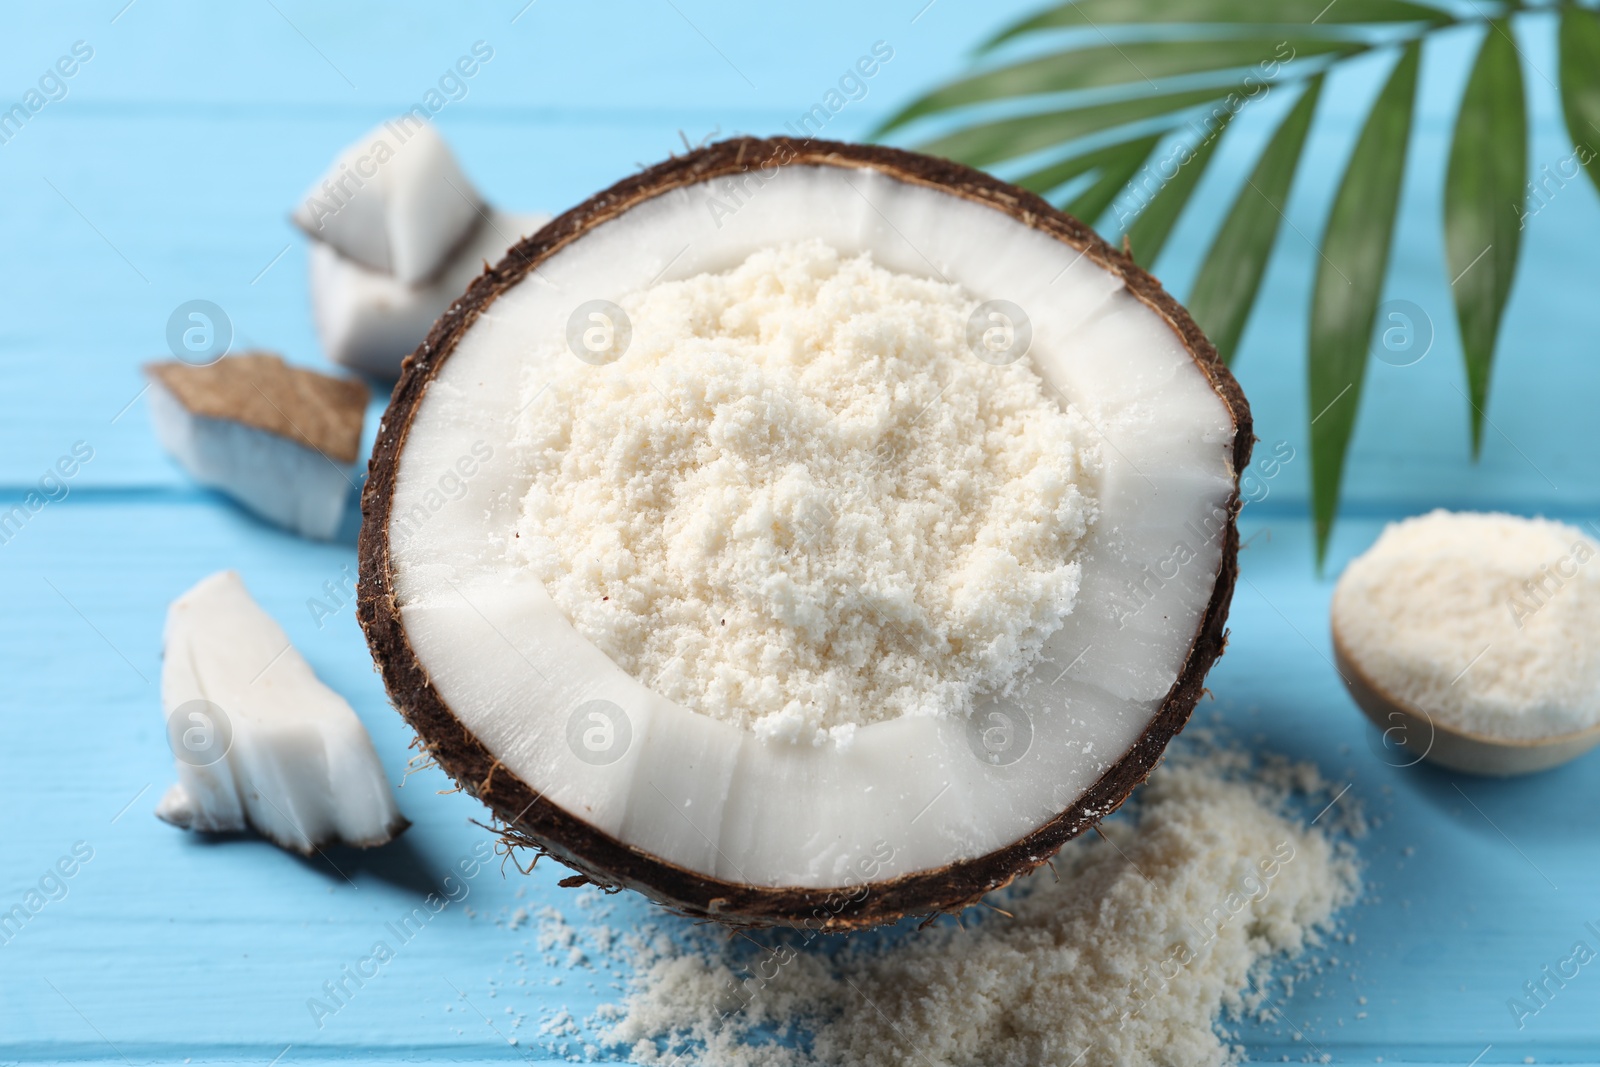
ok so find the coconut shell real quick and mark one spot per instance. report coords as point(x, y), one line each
point(531, 820)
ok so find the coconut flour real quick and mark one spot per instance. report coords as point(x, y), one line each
point(1130, 952)
point(800, 503)
point(1485, 621)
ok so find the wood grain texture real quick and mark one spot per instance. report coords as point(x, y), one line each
point(182, 145)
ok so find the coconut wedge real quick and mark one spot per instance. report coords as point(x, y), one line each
point(370, 321)
point(911, 815)
point(260, 741)
point(280, 440)
point(395, 201)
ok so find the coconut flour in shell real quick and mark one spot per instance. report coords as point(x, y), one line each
point(800, 503)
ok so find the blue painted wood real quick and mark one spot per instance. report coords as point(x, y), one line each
point(167, 173)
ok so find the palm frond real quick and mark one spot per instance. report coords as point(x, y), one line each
point(997, 142)
point(1157, 214)
point(1483, 197)
point(1138, 69)
point(1579, 49)
point(1111, 65)
point(1113, 175)
point(1097, 13)
point(1048, 179)
point(1225, 291)
point(1344, 301)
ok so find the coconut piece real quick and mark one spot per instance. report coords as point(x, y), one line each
point(908, 815)
point(395, 201)
point(280, 440)
point(260, 741)
point(369, 321)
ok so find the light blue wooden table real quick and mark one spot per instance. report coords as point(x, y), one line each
point(166, 173)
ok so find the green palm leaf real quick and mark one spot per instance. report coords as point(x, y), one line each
point(1114, 157)
point(1117, 64)
point(1141, 41)
point(1344, 304)
point(1483, 197)
point(1231, 275)
point(1090, 204)
point(1096, 13)
point(994, 142)
point(1580, 84)
point(1150, 227)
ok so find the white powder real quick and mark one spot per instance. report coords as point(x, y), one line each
point(800, 503)
point(1488, 622)
point(1132, 958)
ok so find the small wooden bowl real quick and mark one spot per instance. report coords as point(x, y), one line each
point(1450, 746)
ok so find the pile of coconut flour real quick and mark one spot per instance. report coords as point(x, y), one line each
point(1488, 622)
point(800, 503)
point(1133, 957)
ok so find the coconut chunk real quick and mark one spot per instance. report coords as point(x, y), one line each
point(369, 321)
point(260, 741)
point(395, 201)
point(280, 440)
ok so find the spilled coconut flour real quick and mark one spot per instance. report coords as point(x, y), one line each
point(799, 502)
point(1133, 957)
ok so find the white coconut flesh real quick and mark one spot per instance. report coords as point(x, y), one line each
point(260, 741)
point(370, 321)
point(280, 480)
point(707, 795)
point(395, 200)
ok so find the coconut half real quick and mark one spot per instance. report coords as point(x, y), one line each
point(915, 814)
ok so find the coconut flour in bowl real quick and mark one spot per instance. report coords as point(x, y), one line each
point(1488, 623)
